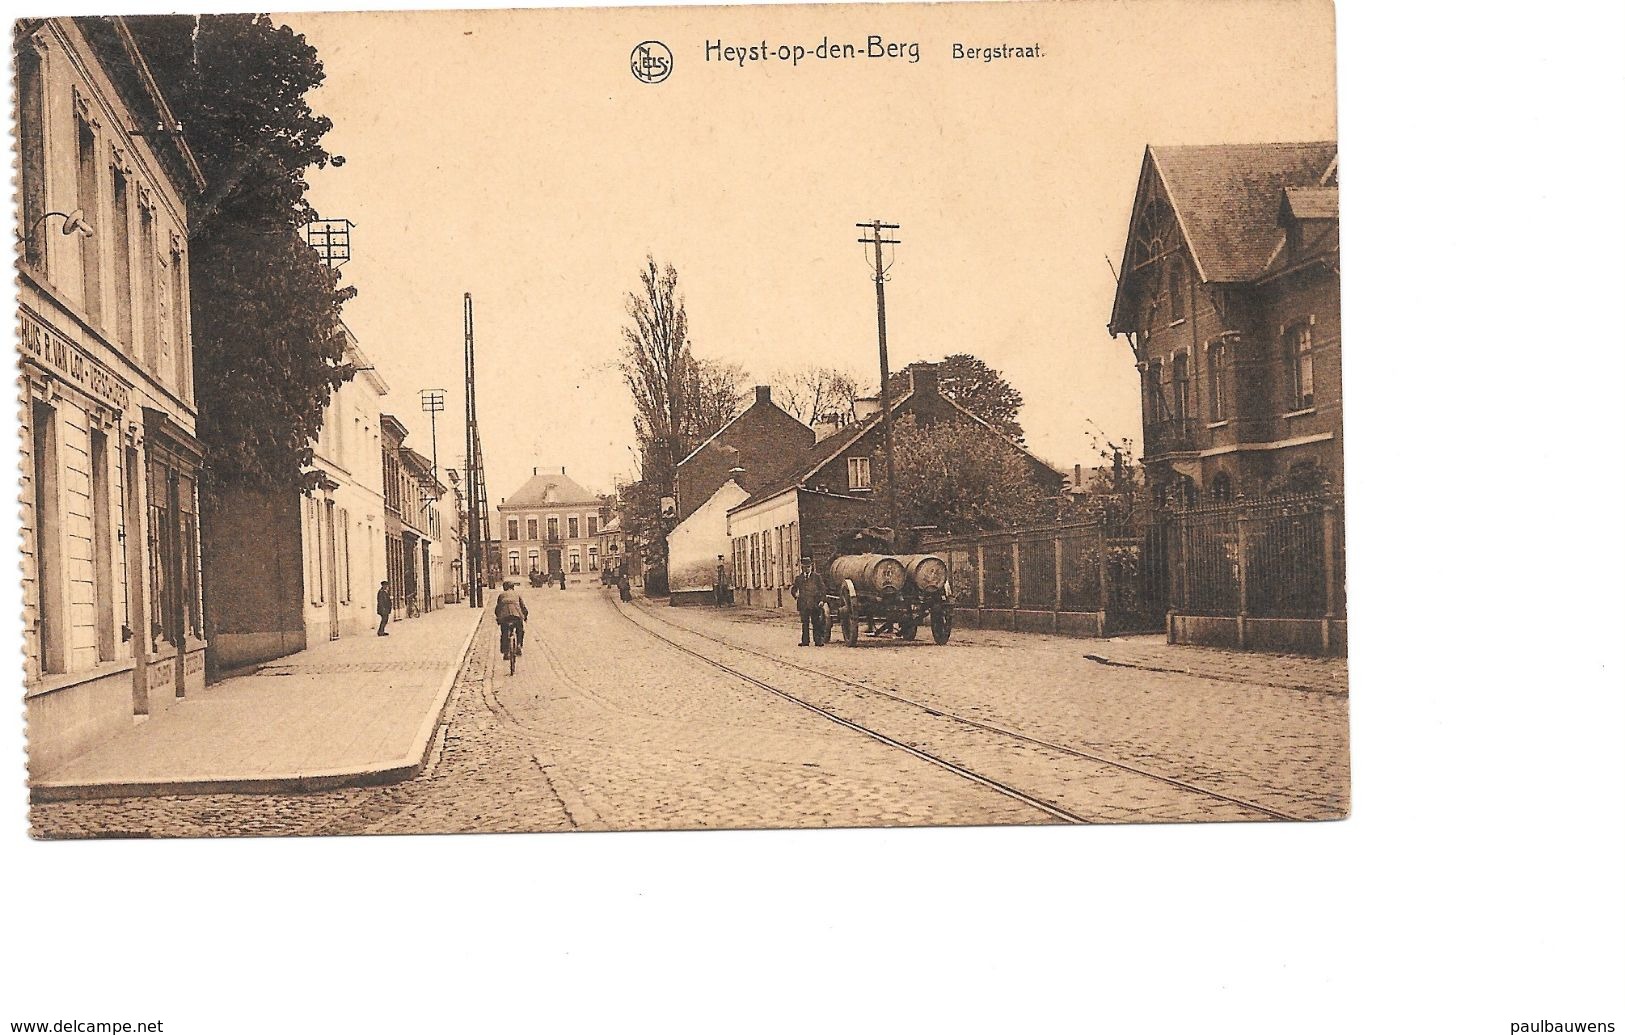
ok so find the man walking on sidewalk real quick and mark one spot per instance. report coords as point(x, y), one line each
point(385, 606)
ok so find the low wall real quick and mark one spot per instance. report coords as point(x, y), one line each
point(1279, 635)
point(1063, 623)
point(234, 650)
point(692, 597)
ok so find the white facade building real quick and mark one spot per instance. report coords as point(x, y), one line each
point(343, 521)
point(111, 588)
point(550, 525)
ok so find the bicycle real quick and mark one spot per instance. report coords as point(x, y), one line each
point(511, 648)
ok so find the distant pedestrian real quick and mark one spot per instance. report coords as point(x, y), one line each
point(722, 581)
point(624, 584)
point(808, 589)
point(385, 607)
point(561, 578)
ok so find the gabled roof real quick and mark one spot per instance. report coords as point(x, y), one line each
point(736, 418)
point(811, 462)
point(802, 467)
point(534, 493)
point(1227, 199)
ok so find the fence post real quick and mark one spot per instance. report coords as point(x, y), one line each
point(981, 583)
point(1102, 575)
point(1055, 611)
point(1184, 538)
point(1015, 581)
point(1328, 564)
point(1241, 575)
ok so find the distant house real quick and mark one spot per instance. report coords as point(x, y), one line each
point(829, 489)
point(719, 474)
point(1229, 295)
point(550, 525)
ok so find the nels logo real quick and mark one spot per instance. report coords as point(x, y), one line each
point(651, 61)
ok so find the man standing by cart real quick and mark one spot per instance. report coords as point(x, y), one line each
point(809, 590)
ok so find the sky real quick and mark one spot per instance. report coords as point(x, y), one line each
point(513, 155)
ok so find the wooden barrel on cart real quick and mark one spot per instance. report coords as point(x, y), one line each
point(873, 573)
point(927, 572)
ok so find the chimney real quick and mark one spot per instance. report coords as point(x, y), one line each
point(866, 407)
point(764, 394)
point(922, 378)
point(825, 425)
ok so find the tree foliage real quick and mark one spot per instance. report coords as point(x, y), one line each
point(953, 476)
point(265, 308)
point(977, 387)
point(807, 393)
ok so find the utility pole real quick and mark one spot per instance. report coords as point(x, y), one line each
point(880, 266)
point(433, 401)
point(476, 548)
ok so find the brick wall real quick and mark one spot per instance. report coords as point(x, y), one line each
point(759, 441)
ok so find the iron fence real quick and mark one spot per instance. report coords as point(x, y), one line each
point(1113, 565)
point(1279, 557)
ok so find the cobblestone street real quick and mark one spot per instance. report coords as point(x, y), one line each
point(647, 717)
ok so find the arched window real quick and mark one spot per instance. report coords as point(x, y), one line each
point(1187, 491)
point(1176, 289)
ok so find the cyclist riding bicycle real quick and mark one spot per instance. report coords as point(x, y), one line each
point(511, 615)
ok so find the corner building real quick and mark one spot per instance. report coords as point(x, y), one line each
point(1230, 298)
point(111, 590)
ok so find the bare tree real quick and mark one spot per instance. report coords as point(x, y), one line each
point(655, 362)
point(714, 391)
point(807, 393)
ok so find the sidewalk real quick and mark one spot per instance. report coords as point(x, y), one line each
point(1149, 652)
point(360, 710)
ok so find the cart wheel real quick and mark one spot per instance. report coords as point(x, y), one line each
point(942, 624)
point(849, 628)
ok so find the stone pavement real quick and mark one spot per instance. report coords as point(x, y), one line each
point(362, 709)
point(1265, 728)
point(1150, 652)
point(607, 727)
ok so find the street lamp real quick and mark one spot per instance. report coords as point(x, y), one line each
point(74, 223)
